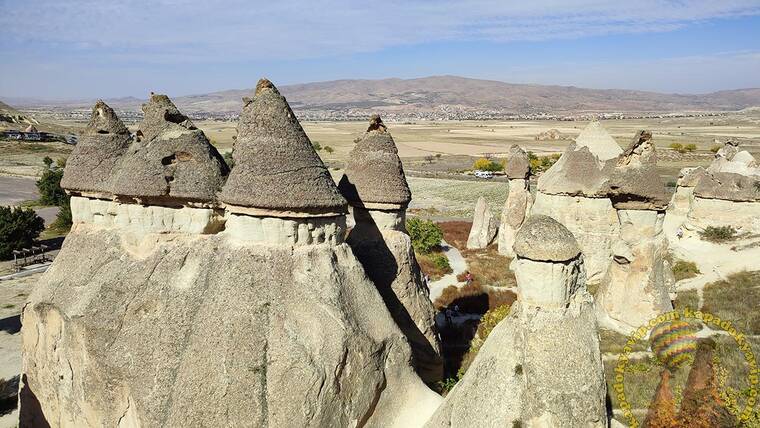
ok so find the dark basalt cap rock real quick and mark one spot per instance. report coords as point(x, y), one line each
point(374, 174)
point(542, 238)
point(92, 162)
point(276, 167)
point(578, 172)
point(635, 182)
point(171, 159)
point(518, 164)
point(728, 186)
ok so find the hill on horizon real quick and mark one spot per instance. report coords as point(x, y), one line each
point(408, 96)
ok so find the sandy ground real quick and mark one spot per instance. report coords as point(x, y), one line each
point(16, 189)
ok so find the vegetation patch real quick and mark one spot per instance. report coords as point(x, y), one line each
point(435, 264)
point(456, 233)
point(487, 324)
point(718, 234)
point(474, 298)
point(684, 270)
point(426, 235)
point(614, 342)
point(485, 164)
point(19, 228)
point(488, 267)
point(687, 299)
point(542, 163)
point(736, 299)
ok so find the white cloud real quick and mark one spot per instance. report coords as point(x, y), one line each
point(151, 30)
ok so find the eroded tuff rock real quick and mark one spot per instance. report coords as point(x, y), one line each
point(635, 182)
point(636, 287)
point(541, 366)
point(519, 199)
point(171, 160)
point(96, 155)
point(375, 186)
point(175, 314)
point(484, 226)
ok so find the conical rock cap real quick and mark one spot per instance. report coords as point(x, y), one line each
point(94, 158)
point(276, 167)
point(171, 159)
point(598, 141)
point(374, 174)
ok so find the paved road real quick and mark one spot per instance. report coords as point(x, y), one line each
point(16, 189)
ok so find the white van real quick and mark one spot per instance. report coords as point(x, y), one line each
point(484, 174)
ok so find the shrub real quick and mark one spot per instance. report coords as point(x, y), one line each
point(228, 159)
point(18, 229)
point(49, 186)
point(484, 164)
point(690, 147)
point(542, 163)
point(63, 219)
point(487, 324)
point(718, 234)
point(441, 262)
point(677, 147)
point(425, 234)
point(431, 266)
point(329, 149)
point(316, 145)
point(683, 270)
point(715, 148)
point(671, 184)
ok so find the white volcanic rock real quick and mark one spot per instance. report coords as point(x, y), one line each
point(593, 222)
point(636, 287)
point(516, 210)
point(384, 249)
point(175, 328)
point(598, 141)
point(484, 226)
point(541, 366)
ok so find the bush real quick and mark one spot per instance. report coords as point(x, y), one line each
point(49, 186)
point(484, 164)
point(441, 262)
point(677, 147)
point(671, 184)
point(63, 219)
point(228, 159)
point(690, 147)
point(18, 229)
point(715, 148)
point(542, 163)
point(718, 234)
point(683, 270)
point(316, 146)
point(329, 149)
point(425, 234)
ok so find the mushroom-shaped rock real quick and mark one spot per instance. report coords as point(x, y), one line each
point(93, 160)
point(374, 175)
point(276, 168)
point(171, 159)
point(518, 165)
point(541, 238)
point(598, 141)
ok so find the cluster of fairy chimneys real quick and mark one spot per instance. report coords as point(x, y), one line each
point(277, 173)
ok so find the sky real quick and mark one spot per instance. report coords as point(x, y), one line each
point(82, 49)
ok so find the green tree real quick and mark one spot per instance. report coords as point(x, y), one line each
point(47, 161)
point(425, 234)
point(484, 164)
point(18, 229)
point(63, 219)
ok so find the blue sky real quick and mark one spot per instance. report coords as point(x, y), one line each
point(84, 49)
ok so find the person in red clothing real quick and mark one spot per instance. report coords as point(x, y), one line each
point(468, 277)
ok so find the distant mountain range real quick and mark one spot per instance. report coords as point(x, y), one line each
point(452, 93)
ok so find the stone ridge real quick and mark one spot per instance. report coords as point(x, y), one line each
point(276, 167)
point(171, 159)
point(541, 238)
point(95, 157)
point(374, 173)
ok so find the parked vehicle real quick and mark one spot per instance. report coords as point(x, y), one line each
point(484, 174)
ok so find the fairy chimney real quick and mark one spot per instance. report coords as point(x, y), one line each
point(551, 329)
point(519, 199)
point(484, 226)
point(94, 159)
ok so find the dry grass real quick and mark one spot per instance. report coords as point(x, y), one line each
point(488, 267)
point(684, 270)
point(455, 233)
point(474, 298)
point(736, 299)
point(435, 264)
